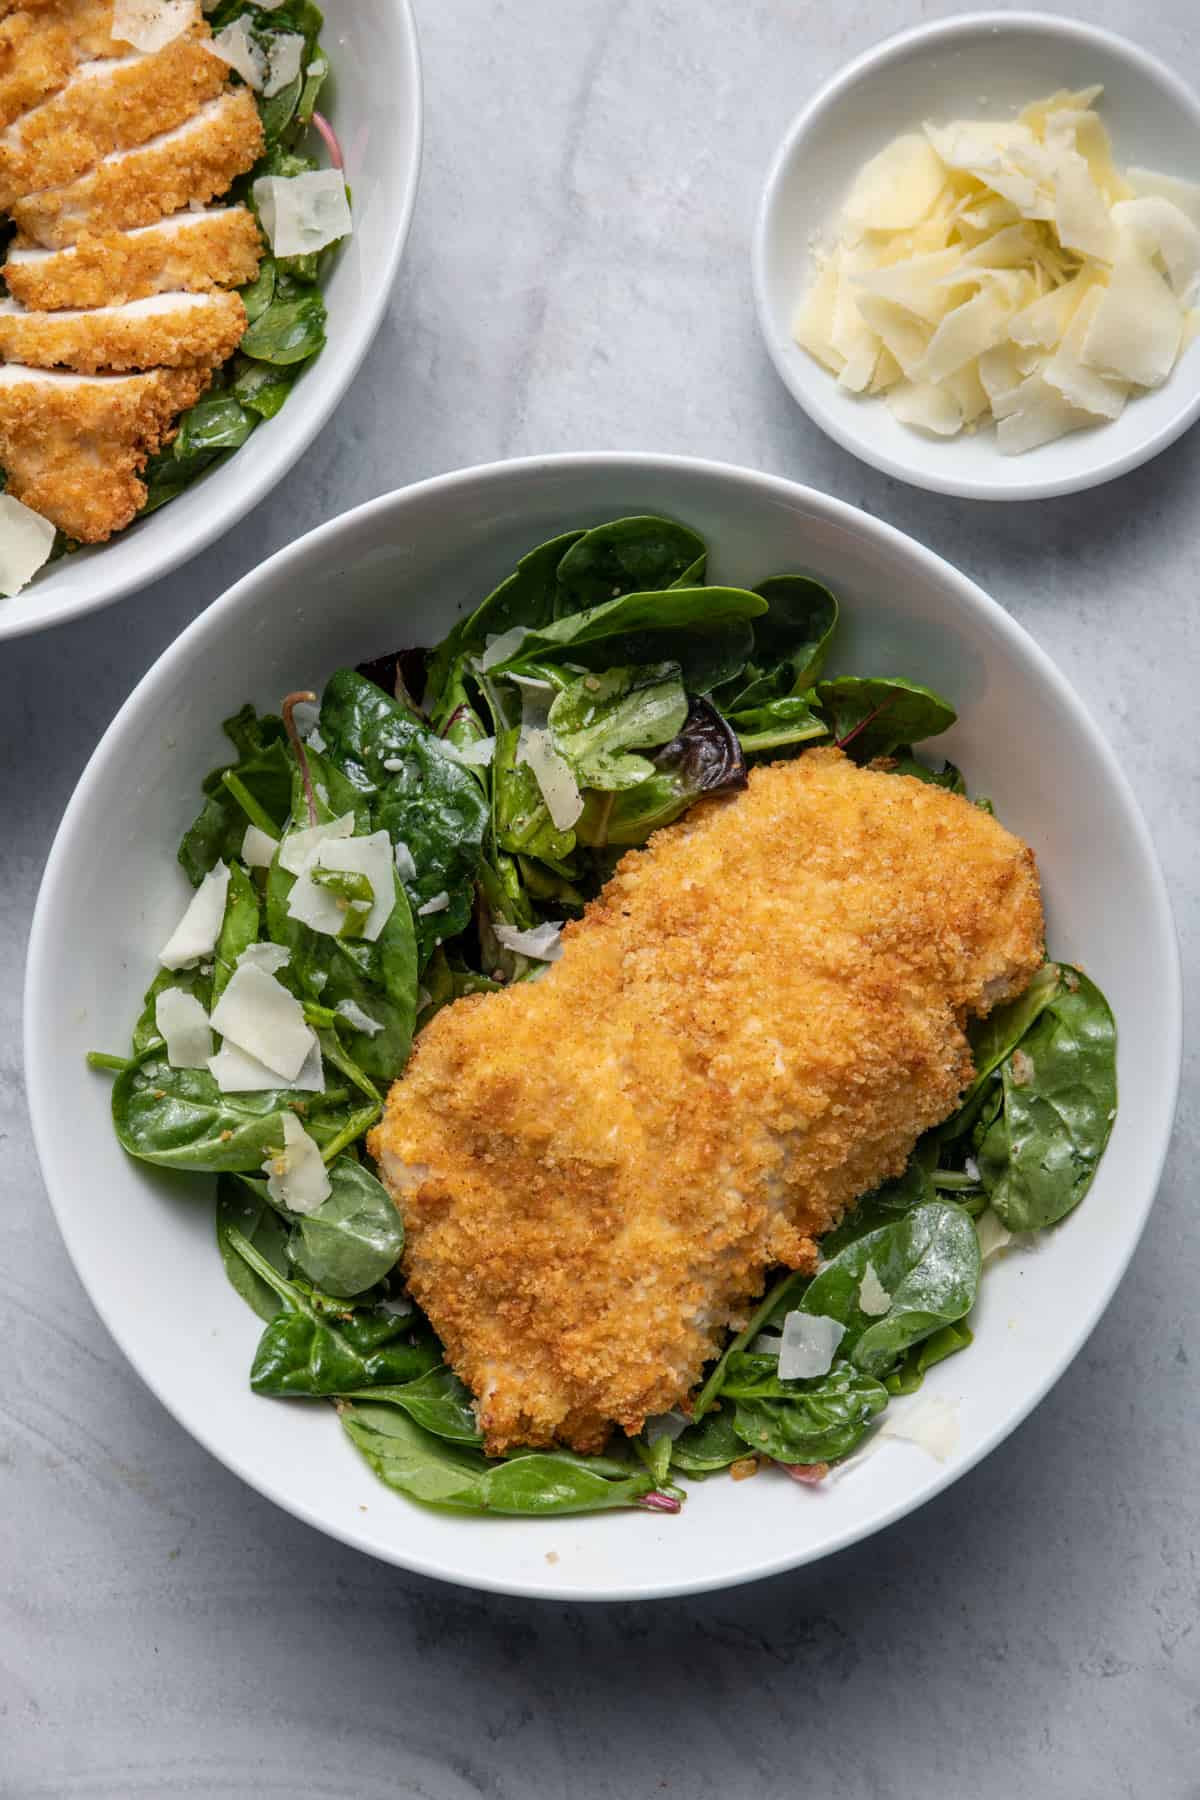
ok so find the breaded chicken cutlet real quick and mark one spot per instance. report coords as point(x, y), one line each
point(749, 1028)
point(108, 155)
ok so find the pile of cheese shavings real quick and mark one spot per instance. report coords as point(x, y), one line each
point(1009, 271)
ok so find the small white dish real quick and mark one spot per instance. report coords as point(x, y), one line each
point(982, 65)
point(374, 102)
point(396, 571)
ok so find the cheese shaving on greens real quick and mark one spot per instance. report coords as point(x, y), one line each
point(543, 942)
point(296, 1176)
point(303, 213)
point(810, 1341)
point(261, 1017)
point(195, 936)
point(26, 540)
point(185, 1029)
point(989, 261)
point(151, 24)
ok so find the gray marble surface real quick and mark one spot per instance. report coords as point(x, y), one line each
point(578, 278)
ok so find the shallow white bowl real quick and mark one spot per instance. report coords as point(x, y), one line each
point(401, 568)
point(983, 65)
point(374, 101)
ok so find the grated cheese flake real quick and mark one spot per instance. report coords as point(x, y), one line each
point(810, 1341)
point(357, 1018)
point(541, 942)
point(26, 540)
point(261, 1017)
point(873, 1298)
point(195, 936)
point(234, 46)
point(552, 772)
point(287, 52)
point(237, 1072)
point(930, 1422)
point(270, 958)
point(258, 849)
point(299, 848)
point(184, 1025)
point(152, 24)
point(296, 1177)
point(303, 213)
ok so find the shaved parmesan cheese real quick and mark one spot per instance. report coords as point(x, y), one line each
point(810, 1341)
point(319, 907)
point(873, 1298)
point(999, 372)
point(195, 936)
point(919, 284)
point(930, 1422)
point(296, 1176)
point(270, 958)
point(1034, 414)
point(904, 338)
point(406, 868)
point(552, 772)
point(1183, 194)
point(303, 213)
point(1044, 323)
point(184, 1025)
point(287, 52)
point(813, 329)
point(1138, 324)
point(498, 649)
point(929, 408)
point(665, 1425)
point(897, 188)
point(992, 1234)
point(541, 942)
point(26, 540)
point(258, 850)
point(234, 46)
point(299, 848)
point(152, 24)
point(236, 1072)
point(257, 1013)
point(478, 755)
point(359, 1020)
point(1159, 228)
point(1081, 213)
point(964, 334)
point(438, 903)
point(1081, 386)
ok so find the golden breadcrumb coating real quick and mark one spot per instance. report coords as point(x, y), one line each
point(40, 46)
point(135, 187)
point(113, 106)
point(200, 329)
point(72, 446)
point(748, 1029)
point(195, 252)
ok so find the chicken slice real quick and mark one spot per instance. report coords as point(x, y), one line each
point(40, 46)
point(72, 446)
point(110, 104)
point(193, 251)
point(191, 163)
point(165, 330)
point(748, 1029)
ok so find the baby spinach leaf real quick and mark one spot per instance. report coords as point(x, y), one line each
point(240, 1204)
point(221, 423)
point(596, 719)
point(535, 1484)
point(872, 715)
point(312, 1349)
point(705, 758)
point(948, 776)
point(776, 1301)
point(819, 1420)
point(882, 1206)
point(289, 331)
point(772, 725)
point(710, 1444)
point(1038, 1158)
point(256, 788)
point(180, 1119)
point(791, 642)
point(522, 819)
point(260, 388)
point(354, 1238)
point(239, 928)
point(438, 1402)
point(997, 1036)
point(666, 616)
point(634, 555)
point(526, 597)
point(927, 1262)
point(258, 294)
point(910, 1372)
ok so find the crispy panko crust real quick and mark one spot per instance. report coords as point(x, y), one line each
point(194, 163)
point(116, 108)
point(748, 1029)
point(73, 448)
point(200, 331)
point(41, 44)
point(209, 250)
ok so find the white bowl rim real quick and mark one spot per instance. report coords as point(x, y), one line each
point(831, 94)
point(39, 995)
point(281, 457)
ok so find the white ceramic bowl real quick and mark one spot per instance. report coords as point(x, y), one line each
point(402, 567)
point(374, 100)
point(983, 65)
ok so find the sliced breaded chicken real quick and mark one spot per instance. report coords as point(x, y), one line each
point(748, 1029)
point(72, 446)
point(192, 163)
point(196, 251)
point(40, 46)
point(109, 104)
point(167, 330)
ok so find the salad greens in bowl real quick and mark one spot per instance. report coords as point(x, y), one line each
point(540, 665)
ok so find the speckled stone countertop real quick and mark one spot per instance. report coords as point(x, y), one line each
point(578, 278)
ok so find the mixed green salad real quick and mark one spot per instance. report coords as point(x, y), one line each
point(284, 309)
point(421, 833)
